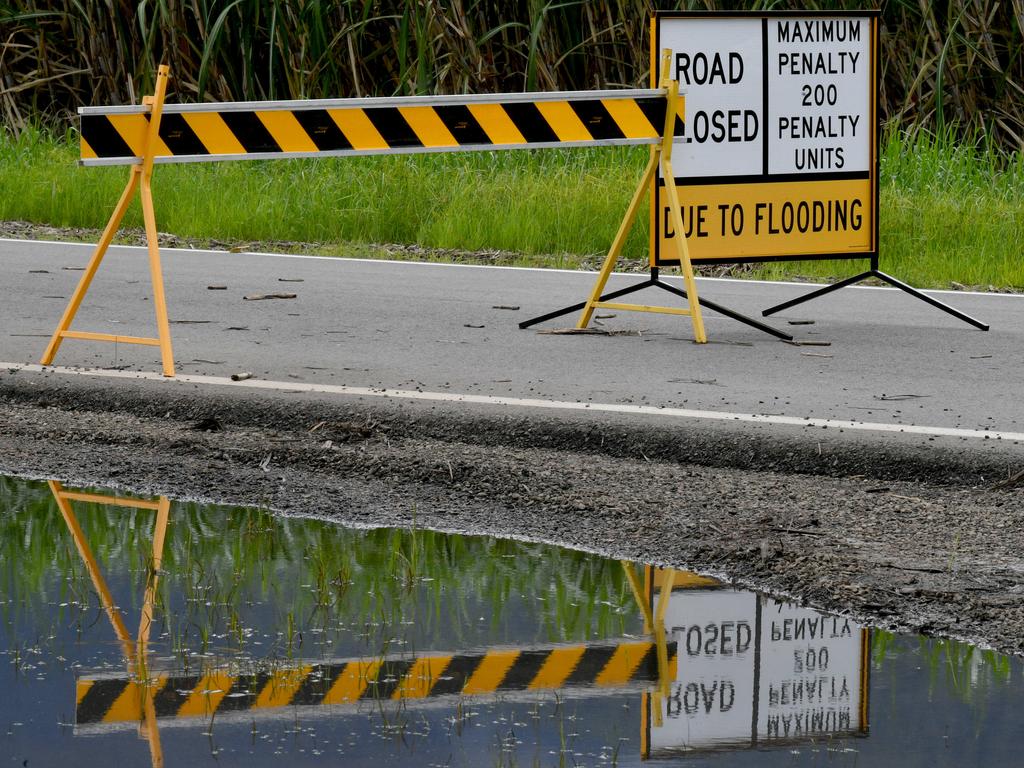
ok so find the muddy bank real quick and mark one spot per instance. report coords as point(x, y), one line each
point(929, 539)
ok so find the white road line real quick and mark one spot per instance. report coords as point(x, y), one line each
point(519, 402)
point(740, 281)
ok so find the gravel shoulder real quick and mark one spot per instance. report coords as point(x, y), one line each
point(925, 537)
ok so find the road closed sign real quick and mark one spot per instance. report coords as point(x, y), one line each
point(778, 157)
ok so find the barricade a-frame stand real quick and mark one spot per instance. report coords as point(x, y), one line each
point(139, 180)
point(874, 271)
point(141, 694)
point(660, 154)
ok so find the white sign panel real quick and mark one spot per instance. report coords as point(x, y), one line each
point(753, 671)
point(778, 157)
point(711, 702)
point(810, 680)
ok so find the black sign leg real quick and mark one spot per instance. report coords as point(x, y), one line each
point(885, 278)
point(654, 280)
point(577, 307)
point(929, 300)
point(817, 293)
point(716, 307)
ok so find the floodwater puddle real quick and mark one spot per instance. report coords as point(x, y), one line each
point(154, 632)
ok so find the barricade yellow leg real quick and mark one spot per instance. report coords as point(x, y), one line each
point(141, 176)
point(661, 155)
point(94, 264)
point(620, 239)
point(682, 249)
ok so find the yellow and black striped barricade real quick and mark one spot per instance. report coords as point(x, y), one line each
point(107, 701)
point(154, 133)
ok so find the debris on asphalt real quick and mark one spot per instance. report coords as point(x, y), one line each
point(291, 280)
point(884, 396)
point(262, 296)
point(800, 322)
point(589, 332)
point(241, 376)
point(470, 325)
point(512, 307)
point(216, 287)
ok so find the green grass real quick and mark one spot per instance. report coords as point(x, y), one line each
point(950, 213)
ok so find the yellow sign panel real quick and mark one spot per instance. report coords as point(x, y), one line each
point(735, 221)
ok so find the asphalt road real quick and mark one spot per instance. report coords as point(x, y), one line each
point(890, 359)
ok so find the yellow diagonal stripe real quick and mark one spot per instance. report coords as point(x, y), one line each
point(630, 118)
point(131, 128)
point(207, 695)
point(563, 121)
point(496, 123)
point(421, 677)
point(352, 682)
point(360, 132)
point(557, 667)
point(428, 127)
point(214, 133)
point(81, 688)
point(86, 152)
point(281, 687)
point(128, 706)
point(289, 135)
point(623, 663)
point(492, 670)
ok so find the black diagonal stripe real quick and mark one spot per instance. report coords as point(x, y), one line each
point(322, 130)
point(179, 136)
point(524, 670)
point(104, 139)
point(654, 110)
point(460, 121)
point(455, 675)
point(393, 128)
point(595, 117)
point(98, 700)
point(168, 700)
point(250, 131)
point(244, 692)
point(317, 683)
point(530, 122)
point(595, 659)
point(647, 670)
point(389, 677)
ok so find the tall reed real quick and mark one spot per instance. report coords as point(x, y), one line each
point(958, 63)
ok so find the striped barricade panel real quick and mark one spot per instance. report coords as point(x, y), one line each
point(605, 666)
point(255, 130)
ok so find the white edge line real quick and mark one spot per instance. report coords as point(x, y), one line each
point(555, 270)
point(517, 402)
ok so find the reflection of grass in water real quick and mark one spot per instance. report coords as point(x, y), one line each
point(966, 672)
point(219, 562)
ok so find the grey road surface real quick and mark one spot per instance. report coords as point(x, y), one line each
point(441, 328)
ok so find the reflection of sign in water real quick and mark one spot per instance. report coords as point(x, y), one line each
point(753, 671)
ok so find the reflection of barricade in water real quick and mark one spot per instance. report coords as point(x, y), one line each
point(143, 694)
point(750, 671)
point(140, 702)
point(607, 666)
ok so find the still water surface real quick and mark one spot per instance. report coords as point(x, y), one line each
point(262, 640)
